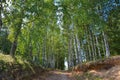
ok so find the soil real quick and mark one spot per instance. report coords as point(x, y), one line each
point(56, 75)
point(107, 69)
point(110, 74)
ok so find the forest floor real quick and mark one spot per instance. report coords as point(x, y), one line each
point(56, 75)
point(110, 74)
point(106, 69)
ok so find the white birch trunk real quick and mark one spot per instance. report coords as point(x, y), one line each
point(106, 45)
point(75, 50)
point(103, 47)
point(69, 52)
point(98, 46)
point(79, 50)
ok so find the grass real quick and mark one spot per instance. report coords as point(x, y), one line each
point(7, 61)
point(6, 58)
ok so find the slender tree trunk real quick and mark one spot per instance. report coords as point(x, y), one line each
point(50, 52)
point(89, 51)
point(44, 52)
point(31, 51)
point(83, 52)
point(106, 45)
point(14, 44)
point(103, 47)
point(79, 50)
point(18, 30)
point(88, 44)
point(72, 53)
point(69, 53)
point(91, 44)
point(53, 55)
point(75, 51)
point(98, 47)
point(94, 46)
point(38, 51)
point(13, 48)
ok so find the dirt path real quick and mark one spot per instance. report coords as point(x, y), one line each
point(110, 74)
point(59, 75)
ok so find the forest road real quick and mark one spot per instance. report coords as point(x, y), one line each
point(59, 75)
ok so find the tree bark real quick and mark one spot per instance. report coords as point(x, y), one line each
point(69, 53)
point(17, 32)
point(13, 48)
point(98, 47)
point(79, 50)
point(91, 44)
point(103, 47)
point(75, 50)
point(44, 52)
point(106, 45)
point(14, 44)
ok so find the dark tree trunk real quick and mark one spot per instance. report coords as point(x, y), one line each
point(13, 48)
point(17, 32)
point(14, 44)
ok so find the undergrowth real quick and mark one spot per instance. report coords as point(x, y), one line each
point(86, 76)
point(16, 68)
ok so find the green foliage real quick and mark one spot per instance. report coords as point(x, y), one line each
point(11, 68)
point(114, 31)
point(6, 58)
point(5, 43)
